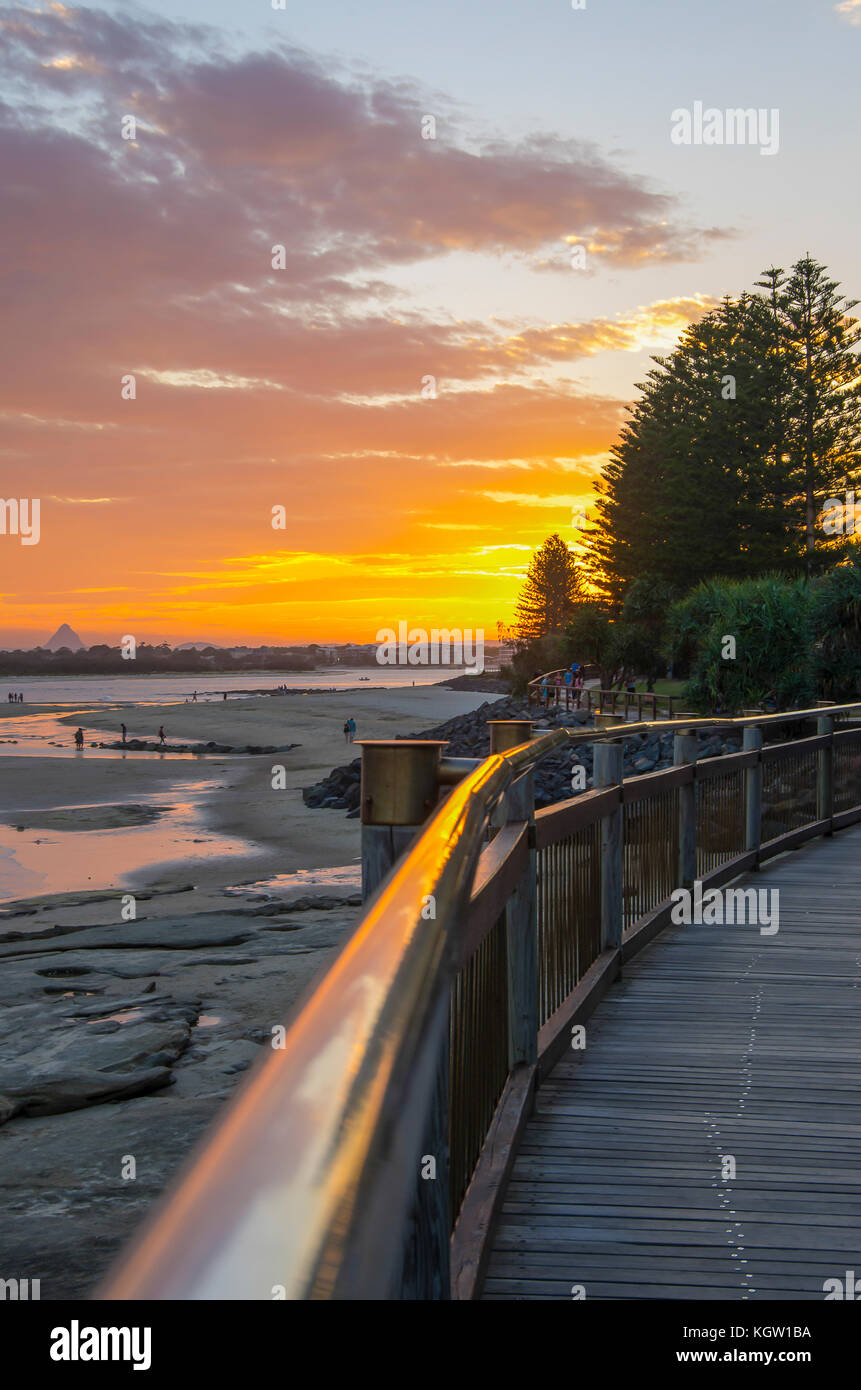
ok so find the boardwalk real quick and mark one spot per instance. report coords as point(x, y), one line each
point(717, 1042)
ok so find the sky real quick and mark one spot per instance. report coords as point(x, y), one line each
point(386, 274)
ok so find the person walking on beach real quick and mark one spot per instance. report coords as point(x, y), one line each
point(346, 731)
point(352, 723)
point(79, 738)
point(123, 727)
point(161, 735)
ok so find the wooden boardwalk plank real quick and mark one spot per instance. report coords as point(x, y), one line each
point(718, 1042)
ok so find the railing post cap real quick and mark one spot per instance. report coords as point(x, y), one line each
point(509, 733)
point(400, 779)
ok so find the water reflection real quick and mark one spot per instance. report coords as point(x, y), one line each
point(43, 734)
point(35, 860)
point(344, 876)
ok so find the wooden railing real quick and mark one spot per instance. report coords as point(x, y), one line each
point(618, 703)
point(367, 1157)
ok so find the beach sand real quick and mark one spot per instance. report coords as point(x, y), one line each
point(241, 802)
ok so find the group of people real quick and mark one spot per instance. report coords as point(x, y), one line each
point(79, 736)
point(571, 682)
point(349, 730)
point(15, 697)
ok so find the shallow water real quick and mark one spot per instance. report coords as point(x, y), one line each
point(43, 735)
point(159, 690)
point(343, 876)
point(33, 862)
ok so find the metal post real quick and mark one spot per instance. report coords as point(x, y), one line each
point(607, 772)
point(685, 749)
point(509, 733)
point(825, 773)
point(753, 789)
point(519, 801)
point(400, 787)
point(521, 936)
point(521, 912)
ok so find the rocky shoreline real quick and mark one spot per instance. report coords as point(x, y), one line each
point(467, 737)
point(119, 1044)
point(140, 745)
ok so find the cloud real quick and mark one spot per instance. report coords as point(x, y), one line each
point(297, 386)
point(850, 10)
point(85, 501)
point(164, 248)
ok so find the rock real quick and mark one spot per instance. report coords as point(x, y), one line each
point(56, 1056)
point(118, 1069)
point(467, 736)
point(170, 933)
point(644, 764)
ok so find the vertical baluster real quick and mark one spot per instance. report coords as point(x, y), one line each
point(825, 773)
point(685, 751)
point(753, 789)
point(607, 763)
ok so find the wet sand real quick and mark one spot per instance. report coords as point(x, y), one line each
point(124, 1036)
point(265, 831)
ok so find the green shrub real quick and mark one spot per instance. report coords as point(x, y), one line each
point(835, 603)
point(770, 621)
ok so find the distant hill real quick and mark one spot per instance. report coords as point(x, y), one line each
point(64, 637)
point(196, 646)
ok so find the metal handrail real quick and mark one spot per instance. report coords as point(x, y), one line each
point(307, 1165)
point(304, 1186)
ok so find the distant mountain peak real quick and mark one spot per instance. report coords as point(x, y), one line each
point(65, 636)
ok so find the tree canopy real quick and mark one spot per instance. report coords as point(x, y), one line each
point(550, 591)
point(738, 438)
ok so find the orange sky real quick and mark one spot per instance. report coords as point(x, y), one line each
point(302, 386)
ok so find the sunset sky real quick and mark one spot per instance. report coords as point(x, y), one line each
point(406, 258)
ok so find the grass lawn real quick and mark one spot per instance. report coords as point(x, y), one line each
point(664, 687)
